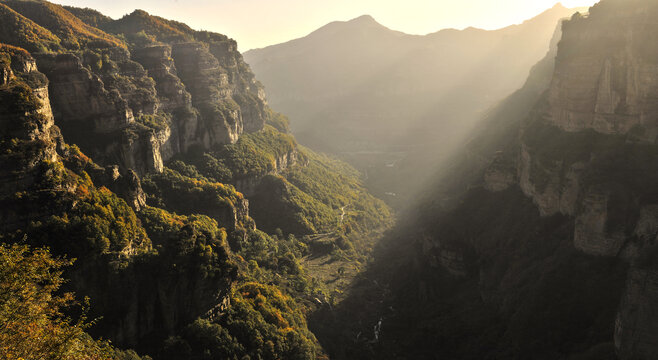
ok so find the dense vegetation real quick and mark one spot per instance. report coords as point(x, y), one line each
point(73, 32)
point(293, 188)
point(262, 323)
point(32, 311)
point(25, 32)
point(188, 275)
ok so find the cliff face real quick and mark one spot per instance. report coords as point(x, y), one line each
point(29, 138)
point(600, 108)
point(47, 196)
point(139, 107)
point(158, 247)
point(554, 256)
point(589, 150)
point(606, 79)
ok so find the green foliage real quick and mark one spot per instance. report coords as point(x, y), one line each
point(276, 253)
point(219, 112)
point(20, 99)
point(20, 31)
point(159, 121)
point(279, 204)
point(192, 244)
point(262, 323)
point(159, 28)
point(337, 185)
point(73, 32)
point(32, 311)
point(278, 121)
point(100, 223)
point(309, 195)
point(173, 191)
point(254, 154)
point(90, 17)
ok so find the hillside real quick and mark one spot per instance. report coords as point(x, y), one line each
point(546, 247)
point(145, 150)
point(382, 99)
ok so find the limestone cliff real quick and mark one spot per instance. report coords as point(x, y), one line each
point(51, 194)
point(137, 106)
point(589, 150)
point(599, 111)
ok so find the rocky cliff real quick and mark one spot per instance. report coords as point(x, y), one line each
point(159, 125)
point(590, 148)
point(145, 100)
point(539, 239)
point(48, 198)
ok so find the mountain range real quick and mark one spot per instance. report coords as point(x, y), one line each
point(154, 206)
point(377, 97)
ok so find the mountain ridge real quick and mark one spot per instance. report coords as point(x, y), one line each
point(398, 95)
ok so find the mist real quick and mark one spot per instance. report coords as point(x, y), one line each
point(373, 180)
point(396, 105)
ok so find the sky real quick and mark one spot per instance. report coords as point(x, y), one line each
point(259, 23)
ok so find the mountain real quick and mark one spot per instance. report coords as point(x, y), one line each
point(539, 240)
point(145, 150)
point(376, 96)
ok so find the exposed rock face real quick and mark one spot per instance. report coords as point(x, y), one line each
point(140, 300)
point(553, 186)
point(601, 99)
point(137, 110)
point(450, 258)
point(636, 327)
point(99, 120)
point(589, 151)
point(80, 97)
point(127, 185)
point(500, 175)
point(173, 98)
point(590, 234)
point(209, 85)
point(151, 300)
point(29, 126)
point(605, 79)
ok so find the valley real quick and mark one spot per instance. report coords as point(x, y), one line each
point(467, 194)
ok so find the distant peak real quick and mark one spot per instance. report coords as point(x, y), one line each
point(364, 19)
point(140, 13)
point(559, 6)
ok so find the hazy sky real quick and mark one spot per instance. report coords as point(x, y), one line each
point(258, 23)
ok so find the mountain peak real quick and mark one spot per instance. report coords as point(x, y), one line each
point(365, 19)
point(558, 6)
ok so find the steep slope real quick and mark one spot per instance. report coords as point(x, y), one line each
point(176, 124)
point(151, 274)
point(137, 126)
point(547, 252)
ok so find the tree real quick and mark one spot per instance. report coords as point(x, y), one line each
point(32, 323)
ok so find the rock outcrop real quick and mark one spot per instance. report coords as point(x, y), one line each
point(605, 79)
point(30, 139)
point(139, 108)
point(45, 181)
point(589, 150)
point(590, 234)
point(600, 108)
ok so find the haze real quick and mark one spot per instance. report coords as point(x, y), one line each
point(259, 23)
